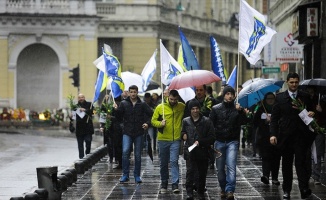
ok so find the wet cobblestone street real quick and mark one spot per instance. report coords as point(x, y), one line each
point(102, 182)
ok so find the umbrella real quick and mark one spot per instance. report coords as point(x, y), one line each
point(149, 146)
point(152, 86)
point(255, 91)
point(193, 78)
point(319, 83)
point(130, 79)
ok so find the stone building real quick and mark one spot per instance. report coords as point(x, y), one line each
point(41, 40)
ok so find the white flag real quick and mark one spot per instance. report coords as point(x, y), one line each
point(253, 32)
point(99, 62)
point(148, 71)
point(169, 66)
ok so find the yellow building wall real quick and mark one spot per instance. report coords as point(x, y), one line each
point(82, 52)
point(6, 76)
point(137, 52)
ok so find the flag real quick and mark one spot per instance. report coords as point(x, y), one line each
point(100, 85)
point(189, 56)
point(117, 86)
point(253, 33)
point(112, 65)
point(99, 62)
point(180, 59)
point(216, 60)
point(149, 71)
point(232, 81)
point(169, 66)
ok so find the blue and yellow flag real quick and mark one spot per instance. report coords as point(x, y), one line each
point(188, 53)
point(216, 60)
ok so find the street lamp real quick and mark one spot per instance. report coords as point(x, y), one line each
point(180, 7)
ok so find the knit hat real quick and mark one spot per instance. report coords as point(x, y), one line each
point(228, 89)
point(193, 103)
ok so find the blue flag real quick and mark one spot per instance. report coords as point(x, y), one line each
point(112, 65)
point(189, 56)
point(117, 86)
point(232, 81)
point(98, 85)
point(216, 60)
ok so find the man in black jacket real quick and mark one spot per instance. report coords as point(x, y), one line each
point(227, 118)
point(84, 126)
point(136, 116)
point(199, 130)
point(292, 135)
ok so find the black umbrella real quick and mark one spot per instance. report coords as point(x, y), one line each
point(149, 146)
point(152, 86)
point(319, 83)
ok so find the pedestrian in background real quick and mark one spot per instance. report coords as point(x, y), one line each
point(136, 116)
point(167, 118)
point(84, 126)
point(269, 153)
point(292, 136)
point(227, 118)
point(318, 146)
point(197, 130)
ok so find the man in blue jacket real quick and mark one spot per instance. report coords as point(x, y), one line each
point(136, 116)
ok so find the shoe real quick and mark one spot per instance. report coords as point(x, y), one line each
point(175, 188)
point(265, 180)
point(164, 186)
point(286, 195)
point(276, 182)
point(117, 167)
point(124, 178)
point(201, 196)
point(317, 182)
point(190, 196)
point(254, 155)
point(138, 179)
point(229, 196)
point(305, 193)
point(223, 195)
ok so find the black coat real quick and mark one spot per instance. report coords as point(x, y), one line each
point(286, 124)
point(85, 125)
point(227, 121)
point(134, 116)
point(201, 131)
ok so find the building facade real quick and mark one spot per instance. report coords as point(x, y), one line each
point(41, 40)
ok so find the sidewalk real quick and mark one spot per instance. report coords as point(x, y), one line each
point(102, 182)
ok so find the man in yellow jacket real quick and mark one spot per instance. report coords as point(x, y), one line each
point(167, 118)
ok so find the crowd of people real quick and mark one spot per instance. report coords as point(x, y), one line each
point(205, 125)
point(211, 124)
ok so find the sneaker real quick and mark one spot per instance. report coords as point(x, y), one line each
point(264, 179)
point(124, 178)
point(223, 195)
point(163, 190)
point(138, 179)
point(164, 187)
point(276, 182)
point(230, 196)
point(317, 182)
point(175, 188)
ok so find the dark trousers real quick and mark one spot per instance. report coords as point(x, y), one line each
point(270, 161)
point(87, 138)
point(193, 167)
point(301, 151)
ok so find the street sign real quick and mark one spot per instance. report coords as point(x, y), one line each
point(270, 70)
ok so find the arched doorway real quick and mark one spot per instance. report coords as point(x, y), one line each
point(38, 78)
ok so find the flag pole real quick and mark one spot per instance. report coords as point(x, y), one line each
point(161, 79)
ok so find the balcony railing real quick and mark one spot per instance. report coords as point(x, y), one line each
point(76, 7)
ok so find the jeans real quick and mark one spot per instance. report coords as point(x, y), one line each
point(127, 142)
point(169, 152)
point(87, 138)
point(227, 177)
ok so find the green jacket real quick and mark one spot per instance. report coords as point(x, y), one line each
point(173, 117)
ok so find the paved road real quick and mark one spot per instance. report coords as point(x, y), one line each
point(21, 153)
point(102, 182)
